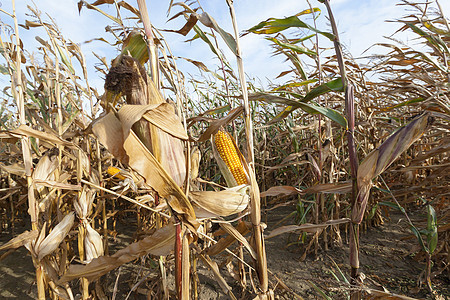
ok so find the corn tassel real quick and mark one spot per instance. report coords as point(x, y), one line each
point(229, 155)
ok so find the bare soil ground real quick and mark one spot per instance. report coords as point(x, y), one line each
point(386, 262)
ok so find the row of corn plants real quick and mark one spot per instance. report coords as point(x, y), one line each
point(168, 154)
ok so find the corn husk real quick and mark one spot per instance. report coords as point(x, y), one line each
point(196, 156)
point(126, 146)
point(210, 204)
point(381, 158)
point(93, 244)
point(45, 245)
point(83, 205)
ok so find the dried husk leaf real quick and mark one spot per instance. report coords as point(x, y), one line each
point(46, 166)
point(128, 77)
point(381, 158)
point(160, 243)
point(20, 240)
point(157, 177)
point(52, 241)
point(162, 115)
point(195, 162)
point(93, 244)
point(84, 162)
point(83, 205)
point(130, 150)
point(108, 129)
point(15, 169)
point(222, 203)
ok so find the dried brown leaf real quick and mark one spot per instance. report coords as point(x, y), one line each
point(307, 227)
point(160, 243)
point(283, 190)
point(20, 240)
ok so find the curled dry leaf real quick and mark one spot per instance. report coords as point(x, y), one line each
point(25, 130)
point(330, 188)
point(215, 269)
point(242, 227)
point(57, 185)
point(15, 169)
point(160, 243)
point(283, 190)
point(238, 236)
point(20, 240)
point(307, 227)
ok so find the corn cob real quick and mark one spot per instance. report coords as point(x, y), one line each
point(115, 172)
point(229, 155)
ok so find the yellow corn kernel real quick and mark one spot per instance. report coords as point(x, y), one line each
point(113, 171)
point(229, 155)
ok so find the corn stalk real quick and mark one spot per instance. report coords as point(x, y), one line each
point(261, 260)
point(18, 93)
point(350, 114)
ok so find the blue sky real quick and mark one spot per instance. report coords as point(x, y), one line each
point(360, 22)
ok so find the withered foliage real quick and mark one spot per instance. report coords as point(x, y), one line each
point(145, 151)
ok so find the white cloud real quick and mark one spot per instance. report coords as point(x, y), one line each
point(360, 23)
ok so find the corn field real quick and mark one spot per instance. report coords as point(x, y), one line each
point(161, 185)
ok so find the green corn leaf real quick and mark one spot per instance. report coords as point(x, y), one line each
point(436, 41)
point(419, 238)
point(334, 85)
point(65, 60)
point(390, 204)
point(283, 114)
point(297, 64)
point(434, 29)
point(432, 236)
point(202, 35)
point(327, 112)
point(136, 46)
point(295, 48)
point(209, 21)
point(294, 84)
point(320, 291)
point(273, 25)
point(404, 103)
